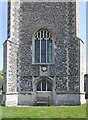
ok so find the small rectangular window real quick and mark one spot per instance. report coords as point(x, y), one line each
point(44, 85)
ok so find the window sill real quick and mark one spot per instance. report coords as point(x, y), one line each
point(43, 91)
point(42, 63)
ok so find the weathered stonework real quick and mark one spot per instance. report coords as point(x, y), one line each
point(25, 84)
point(66, 71)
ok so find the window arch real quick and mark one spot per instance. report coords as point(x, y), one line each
point(43, 46)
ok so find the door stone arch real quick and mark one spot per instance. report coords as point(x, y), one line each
point(45, 92)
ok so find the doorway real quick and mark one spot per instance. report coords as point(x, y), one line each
point(44, 89)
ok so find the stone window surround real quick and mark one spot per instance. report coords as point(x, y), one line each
point(33, 48)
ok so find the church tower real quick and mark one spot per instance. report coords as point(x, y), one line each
point(43, 54)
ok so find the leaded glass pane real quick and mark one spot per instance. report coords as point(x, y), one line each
point(44, 85)
point(37, 51)
point(49, 86)
point(47, 34)
point(44, 34)
point(39, 86)
point(43, 51)
point(49, 58)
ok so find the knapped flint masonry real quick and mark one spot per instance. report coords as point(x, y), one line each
point(43, 54)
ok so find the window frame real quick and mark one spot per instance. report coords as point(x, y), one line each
point(33, 49)
point(41, 86)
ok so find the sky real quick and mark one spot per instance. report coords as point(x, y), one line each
point(83, 29)
point(3, 28)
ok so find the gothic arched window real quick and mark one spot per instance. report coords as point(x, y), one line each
point(43, 46)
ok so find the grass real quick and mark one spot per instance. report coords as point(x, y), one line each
point(44, 112)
